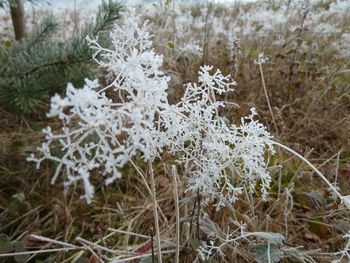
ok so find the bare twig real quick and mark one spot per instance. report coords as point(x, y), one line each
point(95, 245)
point(127, 233)
point(139, 257)
point(53, 241)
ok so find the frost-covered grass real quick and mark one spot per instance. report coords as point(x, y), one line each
point(220, 136)
point(307, 74)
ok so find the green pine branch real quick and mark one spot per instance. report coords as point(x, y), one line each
point(34, 69)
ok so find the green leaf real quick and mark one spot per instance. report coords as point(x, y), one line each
point(16, 201)
point(19, 197)
point(264, 251)
point(194, 243)
point(167, 3)
point(343, 225)
point(20, 247)
point(17, 142)
point(291, 51)
point(253, 53)
point(5, 245)
point(171, 45)
point(82, 259)
point(275, 238)
point(6, 43)
point(212, 260)
point(149, 259)
point(299, 41)
point(299, 255)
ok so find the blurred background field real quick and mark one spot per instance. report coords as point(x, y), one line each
point(307, 76)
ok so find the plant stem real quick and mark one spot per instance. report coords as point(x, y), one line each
point(174, 28)
point(177, 211)
point(155, 210)
point(152, 246)
point(198, 213)
point(267, 97)
point(331, 186)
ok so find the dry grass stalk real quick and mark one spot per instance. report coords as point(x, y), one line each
point(155, 211)
point(177, 213)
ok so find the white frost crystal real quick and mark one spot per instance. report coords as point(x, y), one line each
point(102, 130)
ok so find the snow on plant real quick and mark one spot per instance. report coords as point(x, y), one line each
point(101, 131)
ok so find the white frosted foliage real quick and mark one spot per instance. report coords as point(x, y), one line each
point(104, 127)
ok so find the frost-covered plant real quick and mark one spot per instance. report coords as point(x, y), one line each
point(261, 21)
point(219, 240)
point(191, 48)
point(219, 157)
point(345, 252)
point(101, 132)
